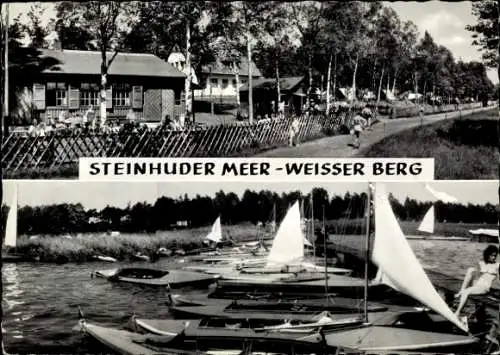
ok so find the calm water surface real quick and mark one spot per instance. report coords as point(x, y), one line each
point(40, 301)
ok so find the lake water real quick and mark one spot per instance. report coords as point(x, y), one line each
point(40, 301)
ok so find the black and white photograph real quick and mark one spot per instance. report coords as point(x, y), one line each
point(248, 78)
point(174, 268)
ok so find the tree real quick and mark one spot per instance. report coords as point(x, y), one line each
point(244, 25)
point(307, 16)
point(107, 23)
point(485, 31)
point(34, 29)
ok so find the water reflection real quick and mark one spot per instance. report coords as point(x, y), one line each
point(12, 301)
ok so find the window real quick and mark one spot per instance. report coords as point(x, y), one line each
point(57, 94)
point(89, 94)
point(243, 81)
point(234, 82)
point(121, 95)
point(177, 97)
point(214, 83)
point(225, 83)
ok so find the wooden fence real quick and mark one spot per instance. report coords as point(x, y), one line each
point(20, 152)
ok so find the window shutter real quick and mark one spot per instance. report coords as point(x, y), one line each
point(137, 97)
point(39, 96)
point(109, 97)
point(74, 97)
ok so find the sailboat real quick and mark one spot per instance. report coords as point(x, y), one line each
point(215, 234)
point(400, 269)
point(427, 226)
point(10, 238)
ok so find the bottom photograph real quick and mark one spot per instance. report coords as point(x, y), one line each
point(241, 268)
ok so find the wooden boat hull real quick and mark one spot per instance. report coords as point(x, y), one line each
point(13, 258)
point(157, 278)
point(344, 285)
point(126, 343)
point(333, 305)
point(384, 338)
point(236, 338)
point(264, 315)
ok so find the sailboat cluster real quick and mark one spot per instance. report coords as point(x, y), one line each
point(278, 302)
point(270, 298)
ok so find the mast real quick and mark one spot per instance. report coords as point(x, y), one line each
point(324, 256)
point(311, 239)
point(367, 252)
point(274, 217)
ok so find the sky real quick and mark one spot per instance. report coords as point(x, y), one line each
point(100, 194)
point(444, 20)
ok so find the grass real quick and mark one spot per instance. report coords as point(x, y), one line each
point(82, 248)
point(464, 148)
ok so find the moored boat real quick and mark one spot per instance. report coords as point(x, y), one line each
point(157, 277)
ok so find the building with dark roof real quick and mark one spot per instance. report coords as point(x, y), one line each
point(218, 81)
point(265, 93)
point(47, 82)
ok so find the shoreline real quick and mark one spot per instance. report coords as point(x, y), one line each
point(83, 248)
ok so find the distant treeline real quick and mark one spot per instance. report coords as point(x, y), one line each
point(254, 207)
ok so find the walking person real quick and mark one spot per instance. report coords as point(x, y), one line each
point(358, 123)
point(484, 273)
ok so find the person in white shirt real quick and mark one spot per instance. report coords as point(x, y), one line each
point(485, 272)
point(294, 131)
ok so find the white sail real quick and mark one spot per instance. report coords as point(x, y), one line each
point(11, 226)
point(215, 234)
point(442, 196)
point(427, 224)
point(288, 244)
point(398, 265)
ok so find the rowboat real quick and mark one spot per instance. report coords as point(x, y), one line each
point(156, 277)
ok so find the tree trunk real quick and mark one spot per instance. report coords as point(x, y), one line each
point(425, 91)
point(380, 85)
point(374, 72)
point(334, 93)
point(237, 88)
point(328, 76)
point(250, 94)
point(278, 88)
point(309, 71)
point(353, 88)
point(187, 82)
point(104, 74)
point(210, 93)
point(394, 82)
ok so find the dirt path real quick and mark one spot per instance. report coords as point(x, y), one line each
point(338, 146)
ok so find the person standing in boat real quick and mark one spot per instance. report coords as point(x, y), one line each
point(486, 271)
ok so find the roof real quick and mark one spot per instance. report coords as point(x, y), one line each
point(286, 84)
point(89, 62)
point(219, 68)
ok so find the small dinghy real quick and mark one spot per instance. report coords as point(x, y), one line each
point(333, 305)
point(107, 259)
point(129, 343)
point(208, 333)
point(156, 277)
point(141, 257)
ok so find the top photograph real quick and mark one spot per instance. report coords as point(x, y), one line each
point(305, 79)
